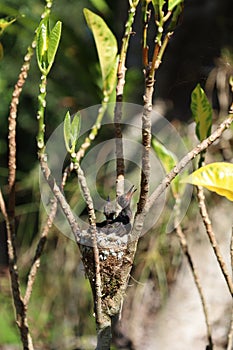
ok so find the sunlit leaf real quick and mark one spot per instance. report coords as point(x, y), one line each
point(173, 3)
point(202, 112)
point(106, 44)
point(168, 160)
point(67, 130)
point(216, 177)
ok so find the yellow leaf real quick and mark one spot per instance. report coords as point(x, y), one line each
point(216, 177)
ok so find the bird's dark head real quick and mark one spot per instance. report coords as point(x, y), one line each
point(124, 200)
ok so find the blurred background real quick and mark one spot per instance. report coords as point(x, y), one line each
point(201, 50)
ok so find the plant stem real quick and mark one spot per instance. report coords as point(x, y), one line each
point(40, 115)
point(94, 130)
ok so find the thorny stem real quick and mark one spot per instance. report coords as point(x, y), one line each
point(212, 238)
point(185, 249)
point(120, 167)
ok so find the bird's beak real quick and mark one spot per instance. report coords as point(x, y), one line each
point(130, 193)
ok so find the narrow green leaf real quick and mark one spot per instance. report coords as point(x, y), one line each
point(168, 160)
point(176, 15)
point(106, 43)
point(173, 3)
point(67, 131)
point(158, 3)
point(75, 130)
point(216, 177)
point(54, 39)
point(202, 112)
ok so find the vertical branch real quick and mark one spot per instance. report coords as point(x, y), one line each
point(21, 316)
point(120, 166)
point(212, 238)
point(92, 221)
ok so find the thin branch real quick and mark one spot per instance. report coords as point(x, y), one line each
point(60, 197)
point(138, 220)
point(212, 238)
point(120, 166)
point(185, 249)
point(39, 250)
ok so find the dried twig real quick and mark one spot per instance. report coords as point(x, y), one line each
point(185, 249)
point(212, 238)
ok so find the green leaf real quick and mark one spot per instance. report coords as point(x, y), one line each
point(168, 160)
point(67, 131)
point(106, 44)
point(47, 44)
point(75, 130)
point(173, 3)
point(202, 112)
point(71, 131)
point(54, 39)
point(216, 177)
point(176, 15)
